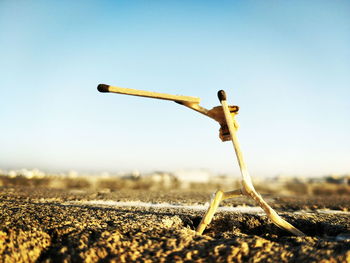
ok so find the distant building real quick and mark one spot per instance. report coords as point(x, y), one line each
point(197, 176)
point(162, 179)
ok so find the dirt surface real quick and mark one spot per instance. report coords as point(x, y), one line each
point(47, 225)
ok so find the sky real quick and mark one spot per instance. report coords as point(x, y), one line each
point(285, 63)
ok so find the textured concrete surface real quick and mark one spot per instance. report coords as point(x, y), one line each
point(47, 225)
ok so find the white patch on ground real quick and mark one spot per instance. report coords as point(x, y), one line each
point(322, 211)
point(328, 211)
point(238, 209)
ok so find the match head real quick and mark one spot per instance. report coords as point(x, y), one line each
point(103, 88)
point(221, 95)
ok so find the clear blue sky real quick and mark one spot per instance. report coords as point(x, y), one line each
point(285, 63)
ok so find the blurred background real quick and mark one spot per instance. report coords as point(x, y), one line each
point(285, 63)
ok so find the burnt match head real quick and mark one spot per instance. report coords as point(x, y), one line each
point(221, 95)
point(103, 88)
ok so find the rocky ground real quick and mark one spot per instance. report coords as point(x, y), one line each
point(47, 225)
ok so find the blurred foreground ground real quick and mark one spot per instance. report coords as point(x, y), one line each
point(152, 219)
point(78, 223)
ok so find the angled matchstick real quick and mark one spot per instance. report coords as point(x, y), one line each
point(215, 113)
point(148, 94)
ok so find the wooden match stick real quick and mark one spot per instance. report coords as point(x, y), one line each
point(247, 185)
point(148, 94)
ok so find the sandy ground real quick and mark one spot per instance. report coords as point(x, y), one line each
point(46, 225)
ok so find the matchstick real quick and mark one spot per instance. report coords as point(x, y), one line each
point(148, 94)
point(247, 185)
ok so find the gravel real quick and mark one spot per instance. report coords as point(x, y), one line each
point(47, 225)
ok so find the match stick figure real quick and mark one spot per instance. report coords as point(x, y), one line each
point(224, 115)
